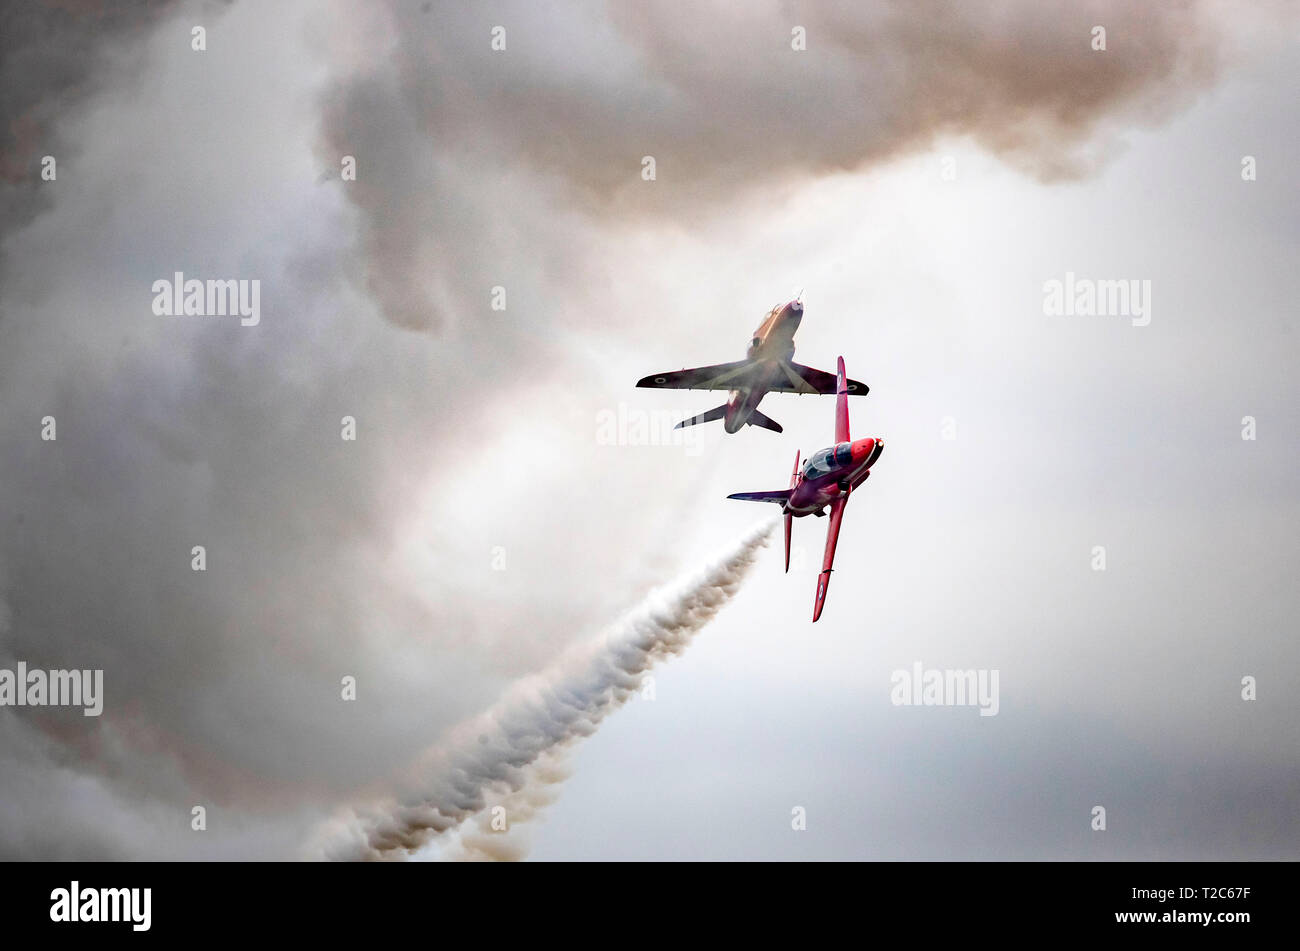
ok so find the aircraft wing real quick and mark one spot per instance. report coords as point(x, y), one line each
point(802, 379)
point(794, 378)
point(832, 536)
point(723, 376)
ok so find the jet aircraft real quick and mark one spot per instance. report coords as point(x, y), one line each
point(768, 367)
point(826, 480)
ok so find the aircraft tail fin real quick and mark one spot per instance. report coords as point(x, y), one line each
point(767, 422)
point(789, 519)
point(841, 404)
point(716, 413)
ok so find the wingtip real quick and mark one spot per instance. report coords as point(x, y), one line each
point(823, 582)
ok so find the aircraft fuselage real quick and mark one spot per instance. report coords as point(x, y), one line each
point(831, 473)
point(771, 345)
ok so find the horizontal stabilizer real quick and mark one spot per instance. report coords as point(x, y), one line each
point(779, 496)
point(716, 413)
point(767, 422)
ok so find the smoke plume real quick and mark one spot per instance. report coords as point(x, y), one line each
point(511, 753)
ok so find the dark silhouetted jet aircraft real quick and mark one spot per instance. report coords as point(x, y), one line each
point(768, 367)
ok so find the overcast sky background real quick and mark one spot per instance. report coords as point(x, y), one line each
point(477, 429)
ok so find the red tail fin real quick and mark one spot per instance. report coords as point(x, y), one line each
point(841, 404)
point(789, 519)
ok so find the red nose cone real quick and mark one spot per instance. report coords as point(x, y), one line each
point(862, 448)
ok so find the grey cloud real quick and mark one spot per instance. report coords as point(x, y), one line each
point(717, 96)
point(53, 55)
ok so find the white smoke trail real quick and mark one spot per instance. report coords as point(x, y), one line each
point(513, 753)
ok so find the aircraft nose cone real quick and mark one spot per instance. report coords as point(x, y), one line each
point(863, 448)
point(796, 306)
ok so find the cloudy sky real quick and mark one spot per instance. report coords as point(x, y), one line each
point(921, 170)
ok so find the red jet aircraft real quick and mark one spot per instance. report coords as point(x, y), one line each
point(768, 367)
point(827, 478)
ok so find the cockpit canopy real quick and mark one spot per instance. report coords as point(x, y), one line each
point(825, 461)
